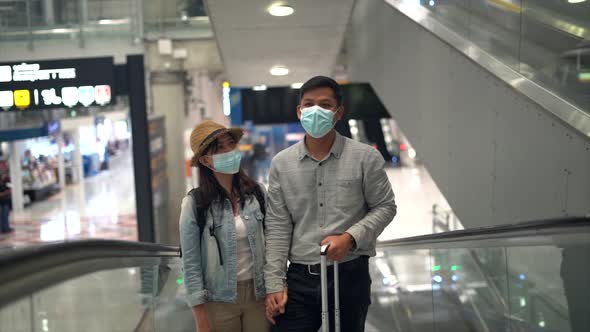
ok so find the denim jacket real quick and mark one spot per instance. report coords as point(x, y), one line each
point(210, 263)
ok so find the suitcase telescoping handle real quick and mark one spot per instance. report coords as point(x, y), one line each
point(324, 278)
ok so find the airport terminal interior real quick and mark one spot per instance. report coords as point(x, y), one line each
point(480, 110)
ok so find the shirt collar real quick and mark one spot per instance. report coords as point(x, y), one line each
point(336, 149)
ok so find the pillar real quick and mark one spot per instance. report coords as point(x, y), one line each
point(16, 176)
point(77, 162)
point(61, 165)
point(168, 97)
point(48, 12)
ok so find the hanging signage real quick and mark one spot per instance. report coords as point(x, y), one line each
point(47, 129)
point(36, 85)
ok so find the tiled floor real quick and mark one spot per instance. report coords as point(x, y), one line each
point(102, 207)
point(415, 194)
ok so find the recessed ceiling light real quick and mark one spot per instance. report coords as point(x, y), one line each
point(59, 30)
point(575, 1)
point(259, 87)
point(279, 71)
point(280, 10)
point(296, 85)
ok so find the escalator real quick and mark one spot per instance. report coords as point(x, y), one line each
point(524, 277)
point(93, 285)
point(493, 95)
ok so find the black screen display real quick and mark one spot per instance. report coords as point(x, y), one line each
point(35, 85)
point(279, 104)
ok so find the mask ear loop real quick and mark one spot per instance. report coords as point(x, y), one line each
point(202, 163)
point(334, 120)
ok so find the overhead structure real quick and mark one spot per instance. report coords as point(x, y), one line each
point(265, 45)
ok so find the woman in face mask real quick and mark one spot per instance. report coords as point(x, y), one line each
point(222, 236)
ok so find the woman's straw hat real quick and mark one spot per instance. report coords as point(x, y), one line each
point(206, 133)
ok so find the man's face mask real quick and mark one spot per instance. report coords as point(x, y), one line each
point(317, 121)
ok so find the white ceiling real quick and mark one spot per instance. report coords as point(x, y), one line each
point(251, 41)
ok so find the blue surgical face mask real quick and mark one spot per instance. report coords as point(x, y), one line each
point(317, 121)
point(227, 163)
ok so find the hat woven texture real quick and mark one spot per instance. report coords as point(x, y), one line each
point(206, 133)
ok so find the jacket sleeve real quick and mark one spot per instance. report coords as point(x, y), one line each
point(190, 242)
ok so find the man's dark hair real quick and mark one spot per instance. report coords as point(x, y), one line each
point(322, 82)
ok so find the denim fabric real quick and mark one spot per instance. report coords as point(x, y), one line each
point(205, 277)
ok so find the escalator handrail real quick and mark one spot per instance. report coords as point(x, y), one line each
point(567, 112)
point(21, 269)
point(31, 269)
point(82, 247)
point(523, 229)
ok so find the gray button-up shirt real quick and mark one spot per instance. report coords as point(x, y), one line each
point(309, 200)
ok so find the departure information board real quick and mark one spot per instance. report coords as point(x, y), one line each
point(37, 85)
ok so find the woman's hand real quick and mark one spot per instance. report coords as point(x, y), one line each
point(273, 310)
point(201, 318)
point(204, 327)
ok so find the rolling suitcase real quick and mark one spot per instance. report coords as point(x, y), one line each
point(324, 282)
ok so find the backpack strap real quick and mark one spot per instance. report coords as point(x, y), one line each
point(201, 214)
point(199, 210)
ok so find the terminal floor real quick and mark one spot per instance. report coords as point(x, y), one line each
point(103, 206)
point(415, 195)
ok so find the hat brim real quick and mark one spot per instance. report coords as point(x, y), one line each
point(236, 133)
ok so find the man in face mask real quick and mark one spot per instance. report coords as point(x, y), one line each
point(324, 189)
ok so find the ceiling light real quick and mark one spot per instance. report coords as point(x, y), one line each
point(60, 30)
point(280, 10)
point(575, 1)
point(296, 85)
point(261, 87)
point(279, 71)
point(109, 21)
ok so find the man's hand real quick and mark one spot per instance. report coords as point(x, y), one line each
point(275, 304)
point(340, 246)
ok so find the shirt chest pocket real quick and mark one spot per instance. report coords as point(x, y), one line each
point(348, 191)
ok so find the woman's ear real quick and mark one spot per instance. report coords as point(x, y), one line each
point(205, 160)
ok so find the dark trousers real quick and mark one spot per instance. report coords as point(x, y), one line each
point(4, 215)
point(304, 306)
point(575, 268)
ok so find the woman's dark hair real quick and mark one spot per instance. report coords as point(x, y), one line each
point(322, 82)
point(212, 190)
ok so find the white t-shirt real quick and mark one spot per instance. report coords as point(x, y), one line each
point(245, 261)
